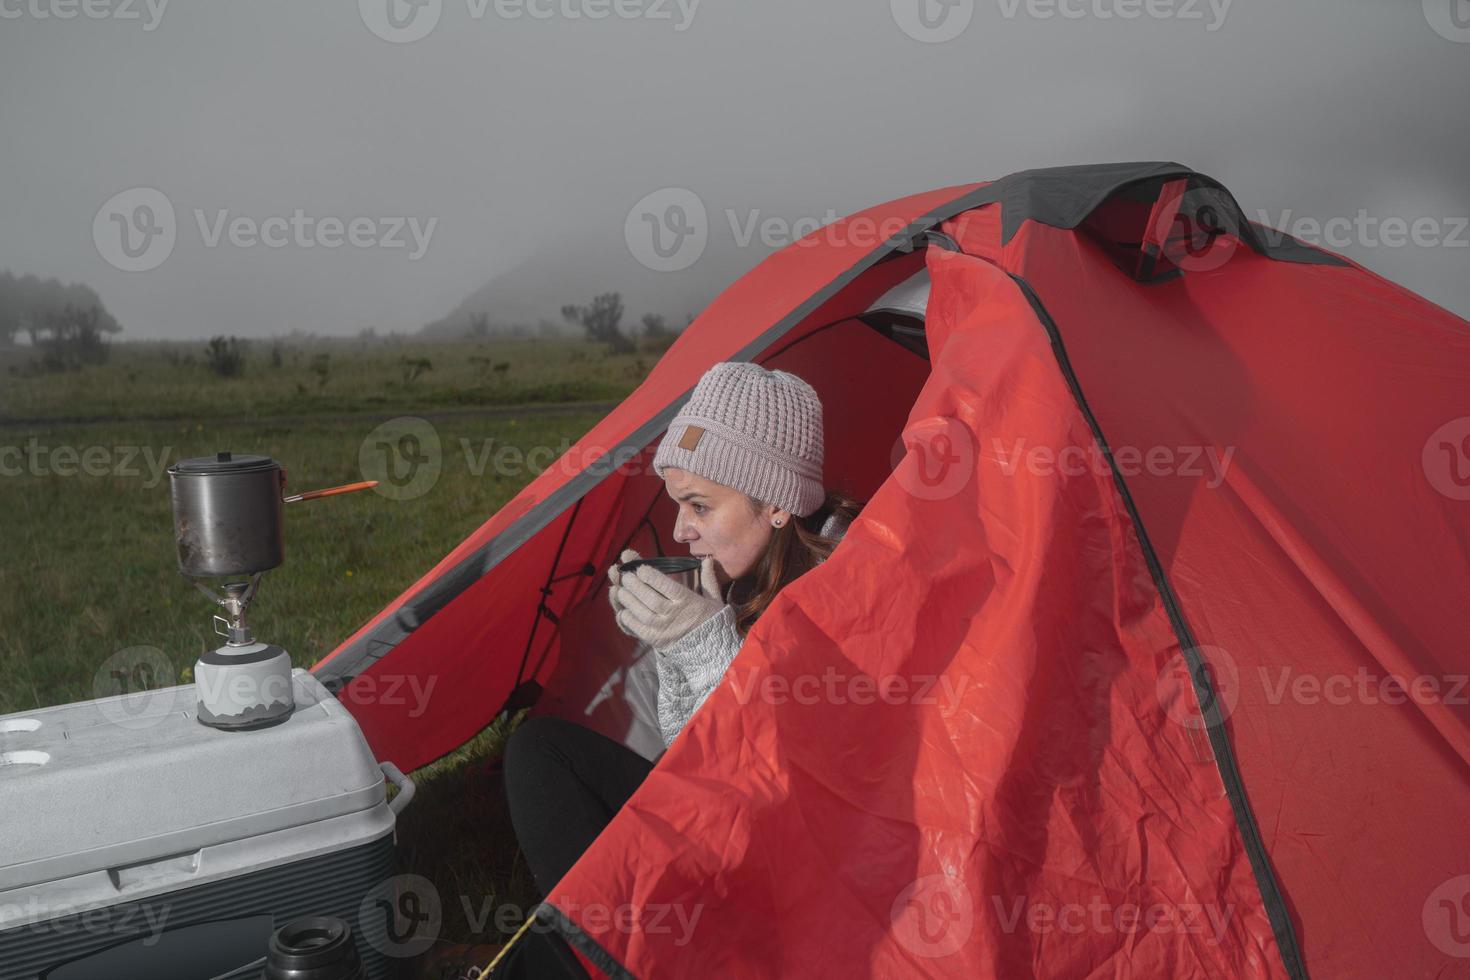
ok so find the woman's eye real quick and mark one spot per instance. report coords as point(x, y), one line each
point(699, 508)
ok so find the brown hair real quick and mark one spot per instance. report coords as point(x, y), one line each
point(795, 548)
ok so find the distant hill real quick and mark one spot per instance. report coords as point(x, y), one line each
point(532, 293)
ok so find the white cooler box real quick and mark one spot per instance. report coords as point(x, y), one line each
point(137, 843)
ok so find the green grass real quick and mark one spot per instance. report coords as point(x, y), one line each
point(88, 566)
point(159, 380)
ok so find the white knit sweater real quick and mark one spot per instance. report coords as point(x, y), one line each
point(691, 667)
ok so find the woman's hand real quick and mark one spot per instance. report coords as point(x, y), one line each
point(613, 577)
point(658, 610)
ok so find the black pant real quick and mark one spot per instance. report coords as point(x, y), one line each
point(563, 782)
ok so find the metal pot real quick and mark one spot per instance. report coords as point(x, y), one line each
point(227, 514)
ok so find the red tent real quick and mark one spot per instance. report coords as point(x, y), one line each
point(1145, 657)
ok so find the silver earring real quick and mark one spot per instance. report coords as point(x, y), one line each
point(775, 523)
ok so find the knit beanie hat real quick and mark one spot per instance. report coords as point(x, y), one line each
point(757, 431)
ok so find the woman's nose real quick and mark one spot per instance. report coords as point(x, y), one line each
point(681, 530)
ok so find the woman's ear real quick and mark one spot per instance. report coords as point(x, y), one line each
point(780, 518)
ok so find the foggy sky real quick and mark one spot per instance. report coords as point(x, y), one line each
point(531, 135)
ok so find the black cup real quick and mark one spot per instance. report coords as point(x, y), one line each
point(315, 948)
point(668, 564)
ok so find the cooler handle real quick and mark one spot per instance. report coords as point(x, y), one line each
point(404, 784)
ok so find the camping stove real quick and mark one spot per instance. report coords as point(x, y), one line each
point(227, 523)
point(241, 684)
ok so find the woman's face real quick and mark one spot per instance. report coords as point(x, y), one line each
point(717, 520)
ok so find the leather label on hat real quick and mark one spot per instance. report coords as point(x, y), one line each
point(690, 438)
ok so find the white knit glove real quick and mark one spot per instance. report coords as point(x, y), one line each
point(658, 610)
point(613, 576)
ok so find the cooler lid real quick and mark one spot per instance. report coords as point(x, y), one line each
point(103, 784)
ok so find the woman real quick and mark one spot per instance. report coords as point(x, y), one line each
point(743, 460)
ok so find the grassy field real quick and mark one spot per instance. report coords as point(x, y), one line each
point(305, 378)
point(88, 566)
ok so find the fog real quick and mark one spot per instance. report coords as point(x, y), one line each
point(329, 170)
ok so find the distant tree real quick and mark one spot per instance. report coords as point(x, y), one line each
point(75, 336)
point(655, 327)
point(656, 336)
point(225, 356)
point(479, 325)
point(39, 307)
point(601, 319)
